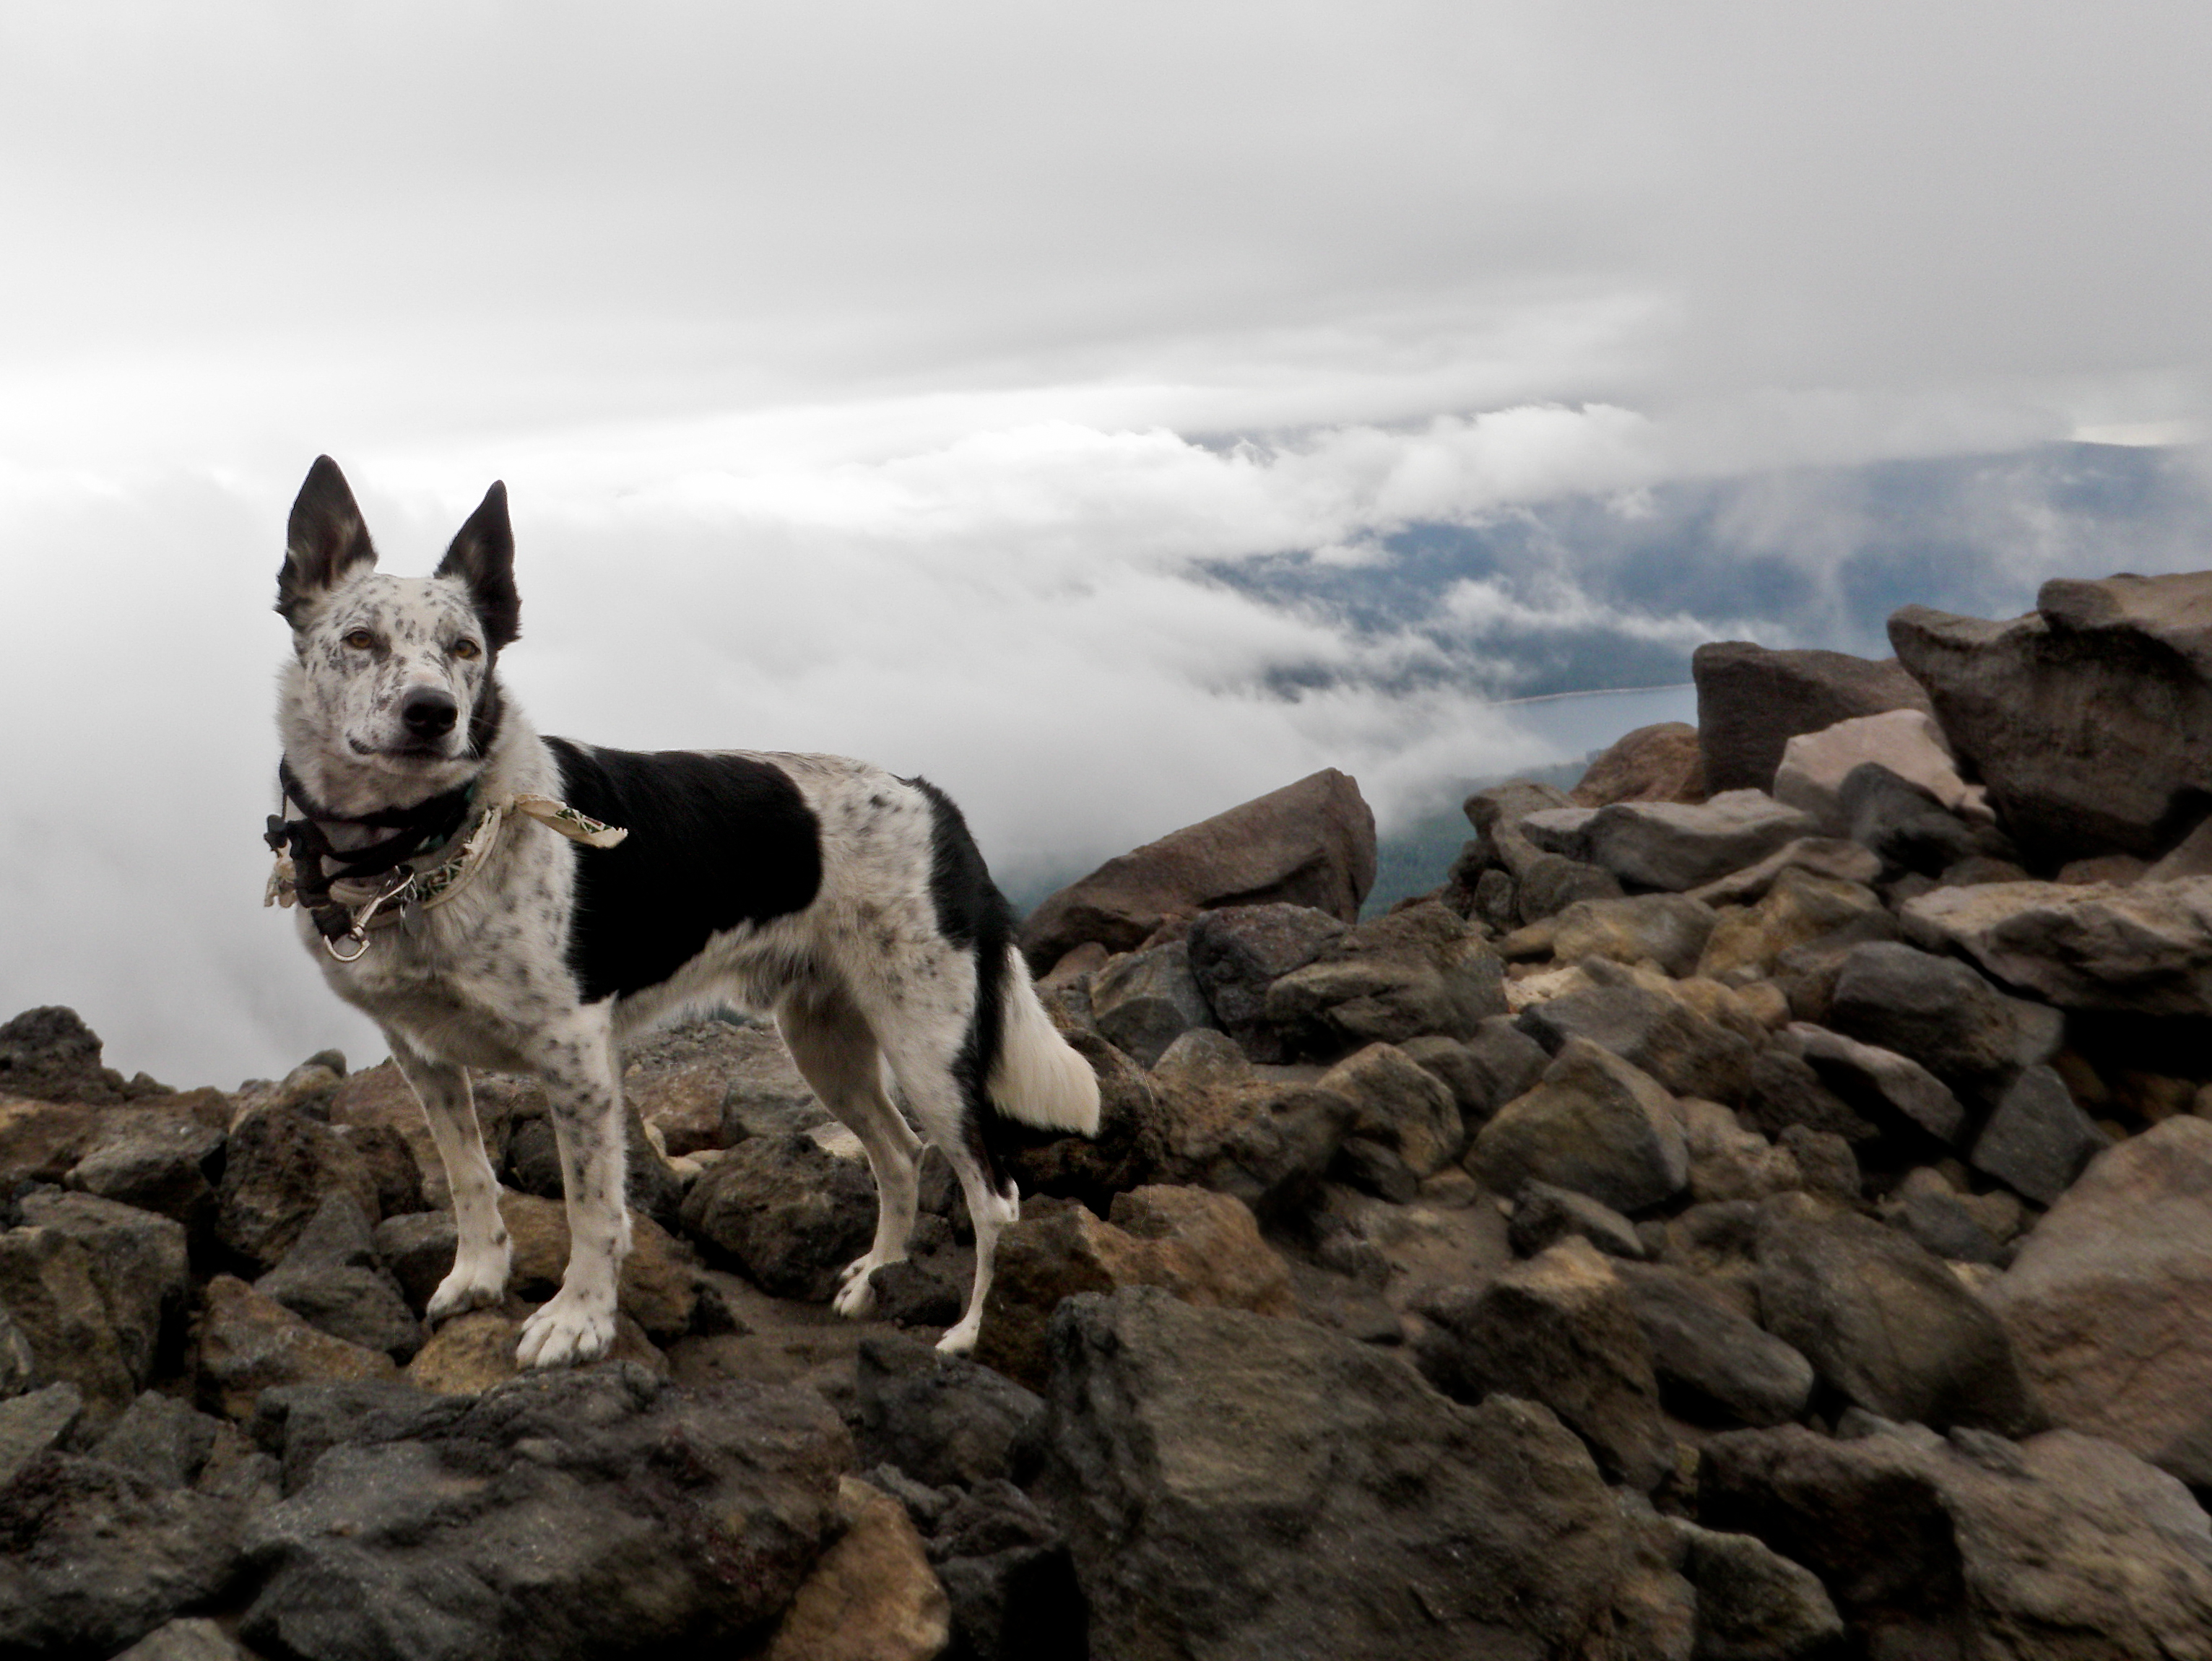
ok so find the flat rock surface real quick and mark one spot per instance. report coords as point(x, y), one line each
point(2143, 947)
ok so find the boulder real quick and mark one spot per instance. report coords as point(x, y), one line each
point(1669, 929)
point(1927, 1207)
point(1131, 1146)
point(1887, 1088)
point(1398, 1103)
point(161, 1438)
point(1238, 951)
point(331, 1280)
point(1309, 843)
point(1729, 1161)
point(1820, 856)
point(2106, 1301)
point(680, 1082)
point(159, 1161)
point(1413, 972)
point(32, 1424)
point(1751, 701)
point(2061, 1545)
point(280, 1167)
point(18, 1366)
point(1595, 1124)
point(1265, 1141)
point(1656, 1031)
point(1798, 908)
point(1555, 1330)
point(1671, 845)
point(95, 1556)
point(940, 1419)
point(1754, 1604)
point(1942, 1015)
point(1143, 1002)
point(1235, 1486)
point(249, 1344)
point(2036, 1140)
point(789, 1214)
point(2090, 719)
point(1785, 1093)
point(588, 1513)
point(1544, 1215)
point(2144, 947)
point(1903, 826)
point(50, 1055)
point(872, 1597)
point(39, 1141)
point(1905, 742)
point(1884, 1322)
point(1713, 1365)
point(1660, 762)
point(1201, 1247)
point(188, 1638)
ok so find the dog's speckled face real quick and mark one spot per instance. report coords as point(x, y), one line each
point(392, 677)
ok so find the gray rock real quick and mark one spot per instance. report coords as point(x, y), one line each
point(1754, 1604)
point(2144, 947)
point(1311, 843)
point(1237, 1486)
point(2058, 1546)
point(1669, 929)
point(331, 1279)
point(1375, 1168)
point(559, 1515)
point(1143, 1002)
point(98, 1290)
point(29, 1425)
point(17, 1365)
point(2036, 1140)
point(1751, 701)
point(1659, 1034)
point(1400, 1104)
point(1400, 975)
point(189, 1638)
point(940, 1419)
point(1551, 882)
point(163, 1439)
point(1880, 1084)
point(1714, 1366)
point(1943, 1015)
point(1131, 1147)
point(1902, 824)
point(2090, 719)
point(1785, 1093)
point(1595, 1124)
point(1673, 846)
point(50, 1055)
point(280, 1167)
point(1827, 1162)
point(1555, 1330)
point(1928, 1209)
point(2106, 1301)
point(418, 1249)
point(1885, 1323)
point(1544, 1215)
point(93, 1557)
point(1008, 1576)
point(1506, 1063)
point(790, 1215)
point(297, 1424)
point(1821, 856)
point(1237, 952)
point(166, 1162)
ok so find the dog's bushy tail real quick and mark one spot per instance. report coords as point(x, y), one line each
point(1039, 1079)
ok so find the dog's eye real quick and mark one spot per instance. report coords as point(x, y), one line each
point(465, 648)
point(359, 639)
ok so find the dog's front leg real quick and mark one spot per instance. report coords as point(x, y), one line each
point(480, 1250)
point(584, 1089)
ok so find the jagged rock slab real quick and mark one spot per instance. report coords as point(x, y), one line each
point(1943, 1015)
point(2144, 947)
point(1237, 952)
point(2090, 719)
point(1397, 1102)
point(1408, 973)
point(1752, 700)
point(1672, 846)
point(1660, 762)
point(1714, 1366)
point(2106, 1301)
point(1880, 1083)
point(1907, 742)
point(1143, 1002)
point(2036, 1139)
point(2059, 1546)
point(1234, 1486)
point(1595, 1124)
point(1309, 844)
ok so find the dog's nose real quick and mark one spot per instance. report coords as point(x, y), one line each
point(429, 713)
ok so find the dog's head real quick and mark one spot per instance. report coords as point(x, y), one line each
point(394, 675)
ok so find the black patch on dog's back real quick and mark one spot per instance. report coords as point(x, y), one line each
point(714, 842)
point(971, 912)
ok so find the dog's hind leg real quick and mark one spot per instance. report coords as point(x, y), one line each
point(835, 1052)
point(481, 1251)
point(575, 1059)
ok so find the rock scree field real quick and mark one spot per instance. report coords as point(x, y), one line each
point(1756, 1206)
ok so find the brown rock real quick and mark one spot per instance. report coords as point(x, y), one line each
point(473, 1352)
point(248, 1344)
point(1309, 843)
point(2106, 1302)
point(660, 1285)
point(1203, 1247)
point(874, 1596)
point(1661, 763)
point(39, 1140)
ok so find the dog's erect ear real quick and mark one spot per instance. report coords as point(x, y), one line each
point(483, 557)
point(324, 542)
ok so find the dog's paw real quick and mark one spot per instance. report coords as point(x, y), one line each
point(477, 1284)
point(855, 1298)
point(567, 1332)
point(960, 1339)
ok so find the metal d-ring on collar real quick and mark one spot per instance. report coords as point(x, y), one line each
point(402, 888)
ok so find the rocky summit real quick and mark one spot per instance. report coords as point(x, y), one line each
point(1756, 1206)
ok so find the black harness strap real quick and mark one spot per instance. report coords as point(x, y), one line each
point(429, 824)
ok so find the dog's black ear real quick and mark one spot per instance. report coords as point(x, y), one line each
point(325, 539)
point(483, 557)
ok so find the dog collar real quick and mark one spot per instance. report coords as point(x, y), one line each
point(374, 887)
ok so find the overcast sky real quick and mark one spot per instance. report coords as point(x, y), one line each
point(889, 377)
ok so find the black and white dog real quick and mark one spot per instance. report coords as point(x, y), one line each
point(471, 886)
